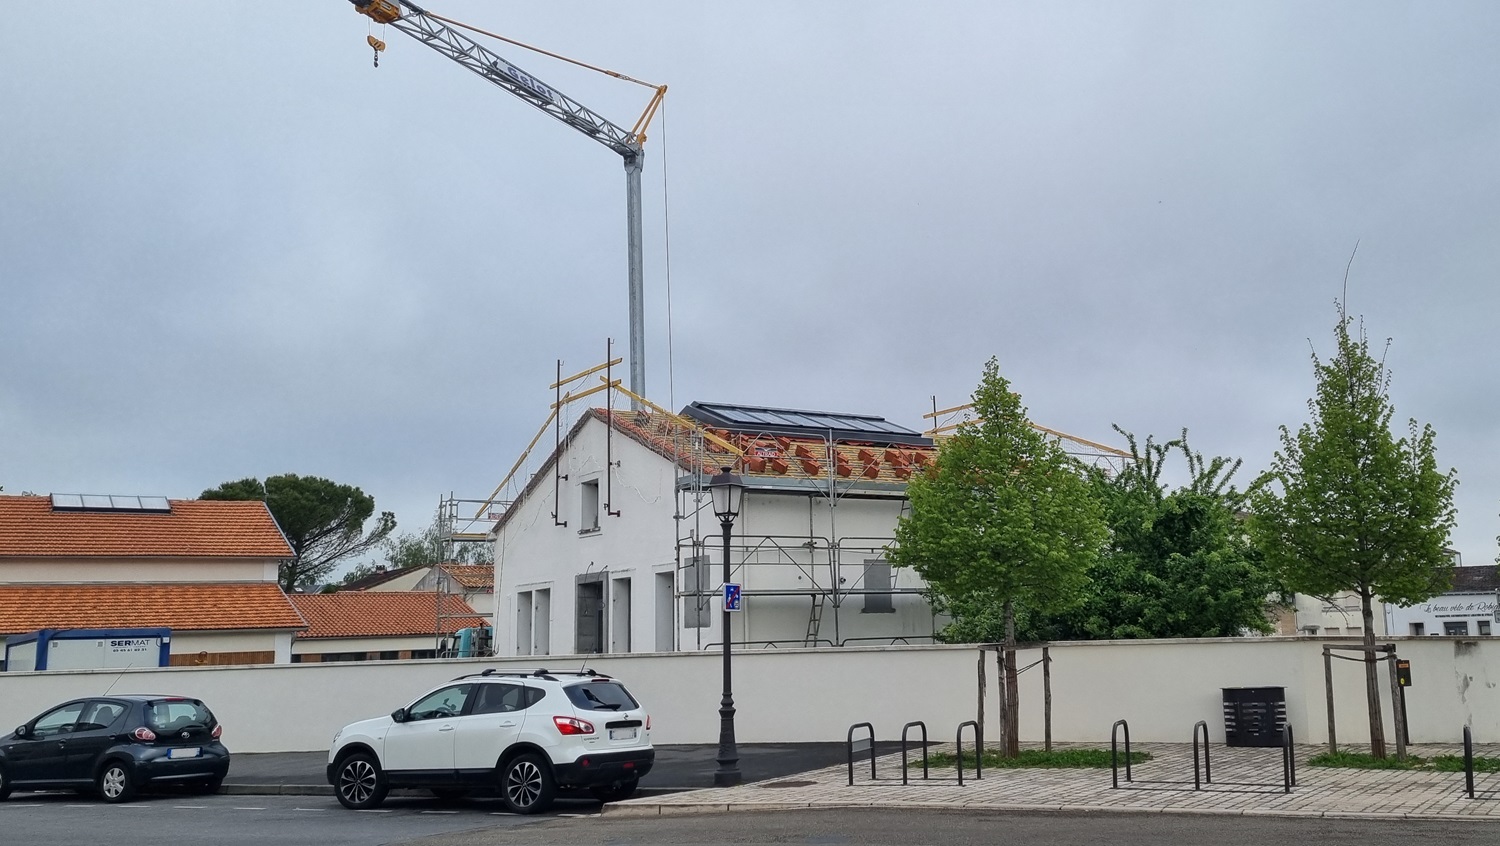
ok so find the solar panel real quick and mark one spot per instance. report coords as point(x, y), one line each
point(103, 502)
point(807, 423)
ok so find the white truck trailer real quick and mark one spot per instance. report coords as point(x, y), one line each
point(88, 649)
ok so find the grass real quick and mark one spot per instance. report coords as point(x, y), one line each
point(1439, 763)
point(1034, 758)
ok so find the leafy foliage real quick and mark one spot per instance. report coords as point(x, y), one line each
point(1346, 506)
point(1003, 520)
point(322, 520)
point(1178, 563)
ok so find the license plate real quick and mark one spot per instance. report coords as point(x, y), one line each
point(622, 734)
point(184, 752)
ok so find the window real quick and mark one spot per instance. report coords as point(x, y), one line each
point(506, 698)
point(169, 715)
point(601, 696)
point(101, 715)
point(389, 656)
point(877, 578)
point(447, 702)
point(1418, 629)
point(695, 601)
point(1455, 627)
point(1484, 627)
point(588, 508)
point(57, 721)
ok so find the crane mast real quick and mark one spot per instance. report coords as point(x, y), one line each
point(432, 31)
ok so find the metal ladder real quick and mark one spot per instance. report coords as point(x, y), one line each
point(814, 620)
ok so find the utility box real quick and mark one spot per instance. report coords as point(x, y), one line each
point(88, 649)
point(1254, 716)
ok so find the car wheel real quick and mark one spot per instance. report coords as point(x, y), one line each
point(115, 782)
point(526, 784)
point(361, 784)
point(4, 782)
point(449, 794)
point(616, 792)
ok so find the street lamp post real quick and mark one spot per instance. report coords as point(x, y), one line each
point(727, 491)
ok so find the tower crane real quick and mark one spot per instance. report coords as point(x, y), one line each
point(442, 35)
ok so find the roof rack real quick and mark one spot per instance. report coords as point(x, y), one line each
point(540, 673)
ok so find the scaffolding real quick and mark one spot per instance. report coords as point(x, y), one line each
point(825, 471)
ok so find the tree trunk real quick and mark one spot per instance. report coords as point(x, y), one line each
point(1372, 680)
point(979, 718)
point(1012, 694)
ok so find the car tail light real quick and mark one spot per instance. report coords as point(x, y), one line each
point(648, 722)
point(143, 733)
point(572, 725)
point(218, 730)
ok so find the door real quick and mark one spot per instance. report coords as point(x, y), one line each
point(589, 600)
point(92, 734)
point(42, 756)
point(492, 725)
point(423, 746)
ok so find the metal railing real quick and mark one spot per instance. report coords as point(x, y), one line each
point(864, 743)
point(904, 730)
point(978, 751)
point(1208, 775)
point(1114, 753)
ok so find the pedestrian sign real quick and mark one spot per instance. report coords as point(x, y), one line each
point(731, 597)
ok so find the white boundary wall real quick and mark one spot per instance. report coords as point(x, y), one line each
point(1162, 687)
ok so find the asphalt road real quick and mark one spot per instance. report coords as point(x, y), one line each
point(64, 820)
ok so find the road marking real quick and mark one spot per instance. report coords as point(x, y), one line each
point(32, 805)
point(374, 811)
point(438, 812)
point(189, 807)
point(249, 809)
point(310, 809)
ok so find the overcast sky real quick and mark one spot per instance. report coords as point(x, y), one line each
point(231, 247)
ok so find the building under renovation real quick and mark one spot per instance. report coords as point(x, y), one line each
point(611, 545)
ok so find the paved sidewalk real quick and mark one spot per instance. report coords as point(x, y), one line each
point(1245, 782)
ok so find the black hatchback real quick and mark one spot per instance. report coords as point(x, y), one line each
point(116, 746)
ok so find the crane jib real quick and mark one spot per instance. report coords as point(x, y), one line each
point(526, 81)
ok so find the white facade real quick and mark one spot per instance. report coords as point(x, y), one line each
point(1452, 614)
point(625, 572)
point(1338, 616)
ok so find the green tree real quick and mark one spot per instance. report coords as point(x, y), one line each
point(1179, 563)
point(1003, 520)
point(322, 520)
point(1350, 507)
point(423, 548)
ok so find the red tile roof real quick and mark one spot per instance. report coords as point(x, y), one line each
point(472, 576)
point(382, 614)
point(180, 607)
point(29, 528)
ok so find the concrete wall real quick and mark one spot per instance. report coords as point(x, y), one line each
point(1161, 687)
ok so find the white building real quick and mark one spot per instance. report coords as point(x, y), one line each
point(612, 546)
point(1469, 609)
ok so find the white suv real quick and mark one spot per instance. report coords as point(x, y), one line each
point(526, 734)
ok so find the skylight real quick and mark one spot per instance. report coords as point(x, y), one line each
point(105, 502)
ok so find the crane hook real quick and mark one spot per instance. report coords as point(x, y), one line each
point(377, 45)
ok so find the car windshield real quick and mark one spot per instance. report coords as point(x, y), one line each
point(601, 696)
point(169, 715)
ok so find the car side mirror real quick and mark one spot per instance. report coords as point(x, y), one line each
point(399, 715)
point(23, 731)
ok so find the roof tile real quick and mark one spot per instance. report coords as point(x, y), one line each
point(180, 607)
point(29, 528)
point(383, 614)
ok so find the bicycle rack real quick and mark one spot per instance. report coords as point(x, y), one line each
point(904, 730)
point(1208, 775)
point(1114, 753)
point(864, 743)
point(1288, 760)
point(978, 752)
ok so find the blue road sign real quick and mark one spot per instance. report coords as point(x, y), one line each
point(731, 597)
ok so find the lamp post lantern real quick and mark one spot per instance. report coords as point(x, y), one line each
point(727, 491)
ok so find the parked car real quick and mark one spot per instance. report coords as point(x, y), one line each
point(116, 746)
point(523, 734)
